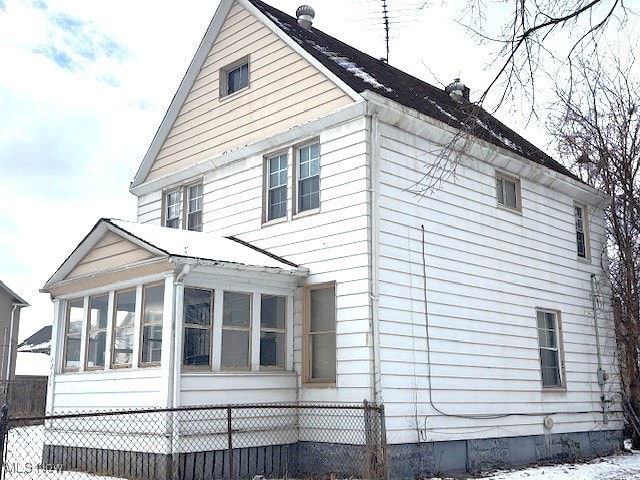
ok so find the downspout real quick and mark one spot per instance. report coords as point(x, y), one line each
point(374, 239)
point(602, 375)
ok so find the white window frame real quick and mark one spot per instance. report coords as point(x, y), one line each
point(78, 334)
point(96, 330)
point(150, 322)
point(307, 340)
point(117, 329)
point(555, 349)
point(299, 178)
point(206, 329)
point(185, 210)
point(581, 216)
point(502, 180)
point(236, 328)
point(270, 187)
point(274, 330)
point(227, 70)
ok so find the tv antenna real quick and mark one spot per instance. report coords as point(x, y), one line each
point(385, 16)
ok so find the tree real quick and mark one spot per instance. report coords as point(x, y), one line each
point(597, 129)
point(536, 33)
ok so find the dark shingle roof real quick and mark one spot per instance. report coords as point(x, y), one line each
point(362, 72)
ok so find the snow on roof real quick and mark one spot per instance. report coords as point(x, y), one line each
point(205, 246)
point(39, 342)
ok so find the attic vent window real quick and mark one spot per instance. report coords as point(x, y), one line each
point(234, 77)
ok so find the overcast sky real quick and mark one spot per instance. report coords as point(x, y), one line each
point(84, 86)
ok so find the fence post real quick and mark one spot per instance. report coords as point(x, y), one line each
point(4, 421)
point(229, 443)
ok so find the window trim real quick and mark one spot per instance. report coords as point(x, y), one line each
point(559, 350)
point(184, 192)
point(248, 329)
point(141, 363)
point(186, 325)
point(67, 317)
point(267, 187)
point(585, 231)
point(307, 380)
point(115, 328)
point(282, 331)
point(89, 331)
point(518, 192)
point(223, 79)
point(296, 178)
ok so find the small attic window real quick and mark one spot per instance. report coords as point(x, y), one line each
point(234, 77)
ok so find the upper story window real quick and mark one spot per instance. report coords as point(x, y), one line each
point(549, 346)
point(508, 192)
point(582, 231)
point(97, 332)
point(308, 175)
point(276, 201)
point(74, 322)
point(319, 342)
point(190, 200)
point(234, 77)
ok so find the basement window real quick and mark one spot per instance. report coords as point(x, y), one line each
point(234, 77)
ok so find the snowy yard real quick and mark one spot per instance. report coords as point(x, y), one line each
point(617, 467)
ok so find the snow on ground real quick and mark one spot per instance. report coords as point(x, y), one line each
point(617, 467)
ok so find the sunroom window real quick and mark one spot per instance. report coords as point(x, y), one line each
point(97, 331)
point(236, 330)
point(152, 312)
point(198, 307)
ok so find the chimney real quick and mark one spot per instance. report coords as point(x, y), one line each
point(305, 15)
point(458, 91)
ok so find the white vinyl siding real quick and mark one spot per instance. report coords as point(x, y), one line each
point(487, 273)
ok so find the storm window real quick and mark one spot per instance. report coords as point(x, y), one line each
point(276, 190)
point(272, 331)
point(308, 177)
point(549, 346)
point(97, 331)
point(198, 308)
point(236, 330)
point(508, 192)
point(183, 207)
point(152, 313)
point(320, 334)
point(123, 328)
point(73, 334)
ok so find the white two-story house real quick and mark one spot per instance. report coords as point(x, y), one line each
point(282, 254)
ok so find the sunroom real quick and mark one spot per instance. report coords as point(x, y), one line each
point(147, 316)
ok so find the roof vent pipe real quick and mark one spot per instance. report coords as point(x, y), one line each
point(458, 91)
point(305, 15)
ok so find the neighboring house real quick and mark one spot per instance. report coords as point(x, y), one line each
point(10, 306)
point(39, 342)
point(471, 312)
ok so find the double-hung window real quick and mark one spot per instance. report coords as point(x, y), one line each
point(198, 308)
point(308, 177)
point(508, 192)
point(188, 200)
point(276, 193)
point(272, 331)
point(549, 347)
point(236, 330)
point(582, 231)
point(73, 334)
point(319, 341)
point(152, 313)
point(123, 328)
point(97, 332)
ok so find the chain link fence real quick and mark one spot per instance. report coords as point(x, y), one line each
point(219, 442)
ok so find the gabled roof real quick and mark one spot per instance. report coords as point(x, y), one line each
point(363, 72)
point(17, 300)
point(39, 342)
point(170, 243)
